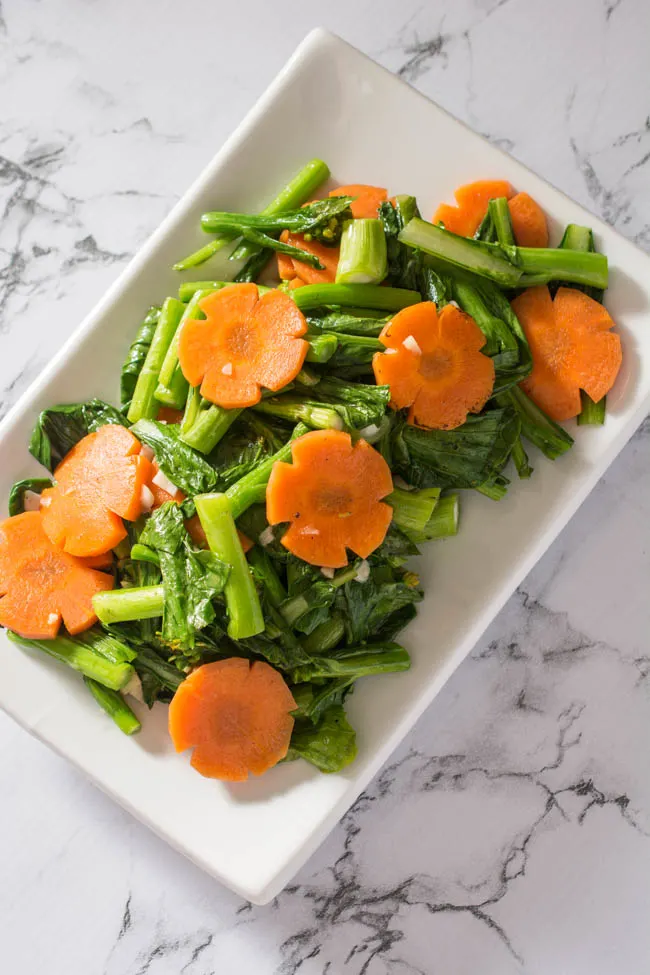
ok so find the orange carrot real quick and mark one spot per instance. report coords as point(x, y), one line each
point(435, 365)
point(167, 414)
point(236, 717)
point(328, 257)
point(98, 483)
point(286, 270)
point(573, 348)
point(245, 343)
point(331, 495)
point(103, 561)
point(471, 205)
point(367, 199)
point(41, 585)
point(528, 221)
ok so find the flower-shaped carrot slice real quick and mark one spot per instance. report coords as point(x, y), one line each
point(367, 199)
point(245, 343)
point(573, 348)
point(528, 221)
point(471, 205)
point(41, 585)
point(434, 365)
point(98, 483)
point(236, 717)
point(331, 495)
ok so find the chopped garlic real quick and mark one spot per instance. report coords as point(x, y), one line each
point(411, 344)
point(146, 498)
point(370, 431)
point(134, 688)
point(390, 352)
point(147, 452)
point(454, 303)
point(32, 501)
point(53, 618)
point(46, 502)
point(328, 573)
point(163, 482)
point(227, 369)
point(267, 537)
point(399, 482)
point(309, 531)
point(363, 572)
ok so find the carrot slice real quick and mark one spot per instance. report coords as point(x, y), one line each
point(98, 483)
point(245, 343)
point(236, 717)
point(528, 221)
point(286, 270)
point(331, 495)
point(160, 495)
point(367, 199)
point(471, 205)
point(435, 365)
point(573, 348)
point(167, 414)
point(40, 585)
point(103, 561)
point(328, 257)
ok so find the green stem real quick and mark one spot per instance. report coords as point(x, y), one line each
point(495, 489)
point(591, 414)
point(142, 553)
point(122, 605)
point(520, 459)
point(500, 214)
point(413, 509)
point(381, 658)
point(205, 253)
point(245, 492)
point(444, 521)
point(81, 657)
point(207, 429)
point(115, 706)
point(188, 289)
point(296, 606)
point(536, 426)
point(363, 257)
point(294, 194)
point(326, 636)
point(254, 267)
point(264, 572)
point(487, 260)
point(144, 403)
point(242, 601)
point(359, 295)
point(320, 416)
point(543, 264)
point(172, 385)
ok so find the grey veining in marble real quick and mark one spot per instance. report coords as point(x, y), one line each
point(511, 831)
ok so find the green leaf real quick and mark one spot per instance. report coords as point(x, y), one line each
point(463, 458)
point(366, 605)
point(312, 700)
point(184, 467)
point(36, 485)
point(136, 355)
point(331, 745)
point(59, 428)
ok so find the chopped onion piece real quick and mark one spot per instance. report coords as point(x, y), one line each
point(147, 452)
point(31, 501)
point(46, 502)
point(134, 688)
point(328, 573)
point(370, 431)
point(162, 481)
point(363, 572)
point(390, 351)
point(411, 344)
point(53, 618)
point(399, 482)
point(267, 537)
point(146, 498)
point(227, 369)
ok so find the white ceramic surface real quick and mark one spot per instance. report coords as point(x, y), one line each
point(267, 828)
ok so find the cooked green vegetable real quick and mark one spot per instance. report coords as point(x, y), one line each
point(363, 253)
point(35, 485)
point(136, 356)
point(184, 467)
point(144, 403)
point(88, 654)
point(115, 706)
point(59, 428)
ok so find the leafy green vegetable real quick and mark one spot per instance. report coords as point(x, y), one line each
point(373, 658)
point(331, 745)
point(115, 706)
point(297, 221)
point(366, 605)
point(36, 485)
point(159, 678)
point(59, 428)
point(136, 356)
point(87, 654)
point(191, 578)
point(312, 700)
point(462, 458)
point(184, 467)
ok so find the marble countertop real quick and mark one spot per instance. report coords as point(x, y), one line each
point(511, 831)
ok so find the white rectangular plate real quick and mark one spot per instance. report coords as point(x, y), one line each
point(370, 128)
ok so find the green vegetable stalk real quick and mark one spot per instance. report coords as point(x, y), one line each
point(172, 386)
point(144, 403)
point(122, 605)
point(115, 706)
point(363, 258)
point(359, 295)
point(136, 356)
point(242, 601)
point(299, 189)
point(82, 654)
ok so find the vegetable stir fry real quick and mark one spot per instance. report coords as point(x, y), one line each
point(235, 538)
